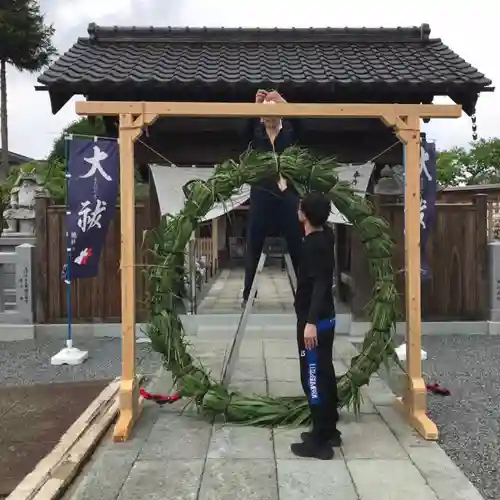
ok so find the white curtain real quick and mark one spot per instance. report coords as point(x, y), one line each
point(169, 182)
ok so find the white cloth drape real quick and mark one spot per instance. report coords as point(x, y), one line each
point(170, 180)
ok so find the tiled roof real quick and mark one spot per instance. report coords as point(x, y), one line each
point(348, 57)
point(17, 159)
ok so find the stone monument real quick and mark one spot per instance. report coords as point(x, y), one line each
point(20, 212)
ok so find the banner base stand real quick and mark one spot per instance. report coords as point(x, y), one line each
point(401, 352)
point(69, 356)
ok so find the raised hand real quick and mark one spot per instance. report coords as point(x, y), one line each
point(274, 96)
point(260, 96)
point(282, 183)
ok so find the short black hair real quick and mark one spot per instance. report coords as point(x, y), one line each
point(316, 208)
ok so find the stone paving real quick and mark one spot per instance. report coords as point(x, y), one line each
point(225, 295)
point(178, 456)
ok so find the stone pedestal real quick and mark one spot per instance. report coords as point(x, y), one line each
point(494, 293)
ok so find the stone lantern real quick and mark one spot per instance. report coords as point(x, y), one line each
point(391, 182)
point(20, 213)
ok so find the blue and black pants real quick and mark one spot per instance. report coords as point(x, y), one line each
point(319, 382)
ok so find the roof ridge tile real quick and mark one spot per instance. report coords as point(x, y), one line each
point(244, 35)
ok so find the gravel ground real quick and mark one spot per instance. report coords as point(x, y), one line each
point(28, 362)
point(468, 419)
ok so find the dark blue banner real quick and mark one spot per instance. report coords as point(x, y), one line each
point(427, 200)
point(92, 175)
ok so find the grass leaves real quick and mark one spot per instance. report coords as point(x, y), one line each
point(169, 240)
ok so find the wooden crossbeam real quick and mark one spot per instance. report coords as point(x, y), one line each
point(225, 109)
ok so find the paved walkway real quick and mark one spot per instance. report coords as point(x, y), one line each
point(225, 295)
point(184, 457)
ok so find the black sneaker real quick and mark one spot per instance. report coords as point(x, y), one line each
point(310, 449)
point(335, 441)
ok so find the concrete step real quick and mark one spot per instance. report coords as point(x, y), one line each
point(228, 323)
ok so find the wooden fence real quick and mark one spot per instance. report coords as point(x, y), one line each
point(457, 252)
point(205, 248)
point(94, 299)
point(466, 194)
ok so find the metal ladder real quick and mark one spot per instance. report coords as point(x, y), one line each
point(240, 331)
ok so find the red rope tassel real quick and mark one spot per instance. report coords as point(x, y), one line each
point(160, 399)
point(436, 388)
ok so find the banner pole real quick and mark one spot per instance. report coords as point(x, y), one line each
point(401, 349)
point(69, 340)
point(69, 355)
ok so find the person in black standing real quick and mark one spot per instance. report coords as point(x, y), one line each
point(273, 203)
point(315, 311)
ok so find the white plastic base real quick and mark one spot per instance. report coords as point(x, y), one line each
point(401, 352)
point(69, 356)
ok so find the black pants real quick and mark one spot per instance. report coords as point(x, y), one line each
point(319, 383)
point(271, 213)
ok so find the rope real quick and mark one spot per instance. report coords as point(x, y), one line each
point(229, 400)
point(436, 388)
point(160, 399)
point(383, 152)
point(157, 153)
point(172, 164)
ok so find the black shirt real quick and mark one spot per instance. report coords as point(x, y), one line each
point(314, 295)
point(261, 143)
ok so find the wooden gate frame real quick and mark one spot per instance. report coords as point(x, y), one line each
point(404, 119)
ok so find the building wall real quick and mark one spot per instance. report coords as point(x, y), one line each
point(222, 225)
point(209, 148)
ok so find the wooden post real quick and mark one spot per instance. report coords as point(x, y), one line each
point(129, 395)
point(41, 259)
point(414, 402)
point(192, 272)
point(215, 244)
point(483, 208)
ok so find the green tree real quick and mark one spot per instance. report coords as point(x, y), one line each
point(26, 44)
point(52, 172)
point(51, 176)
point(83, 126)
point(480, 164)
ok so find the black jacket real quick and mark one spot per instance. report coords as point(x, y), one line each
point(260, 142)
point(314, 295)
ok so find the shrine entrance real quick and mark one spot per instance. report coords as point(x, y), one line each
point(404, 119)
point(216, 281)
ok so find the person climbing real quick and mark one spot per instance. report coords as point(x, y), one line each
point(315, 310)
point(273, 203)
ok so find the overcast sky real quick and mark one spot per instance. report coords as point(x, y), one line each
point(469, 28)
